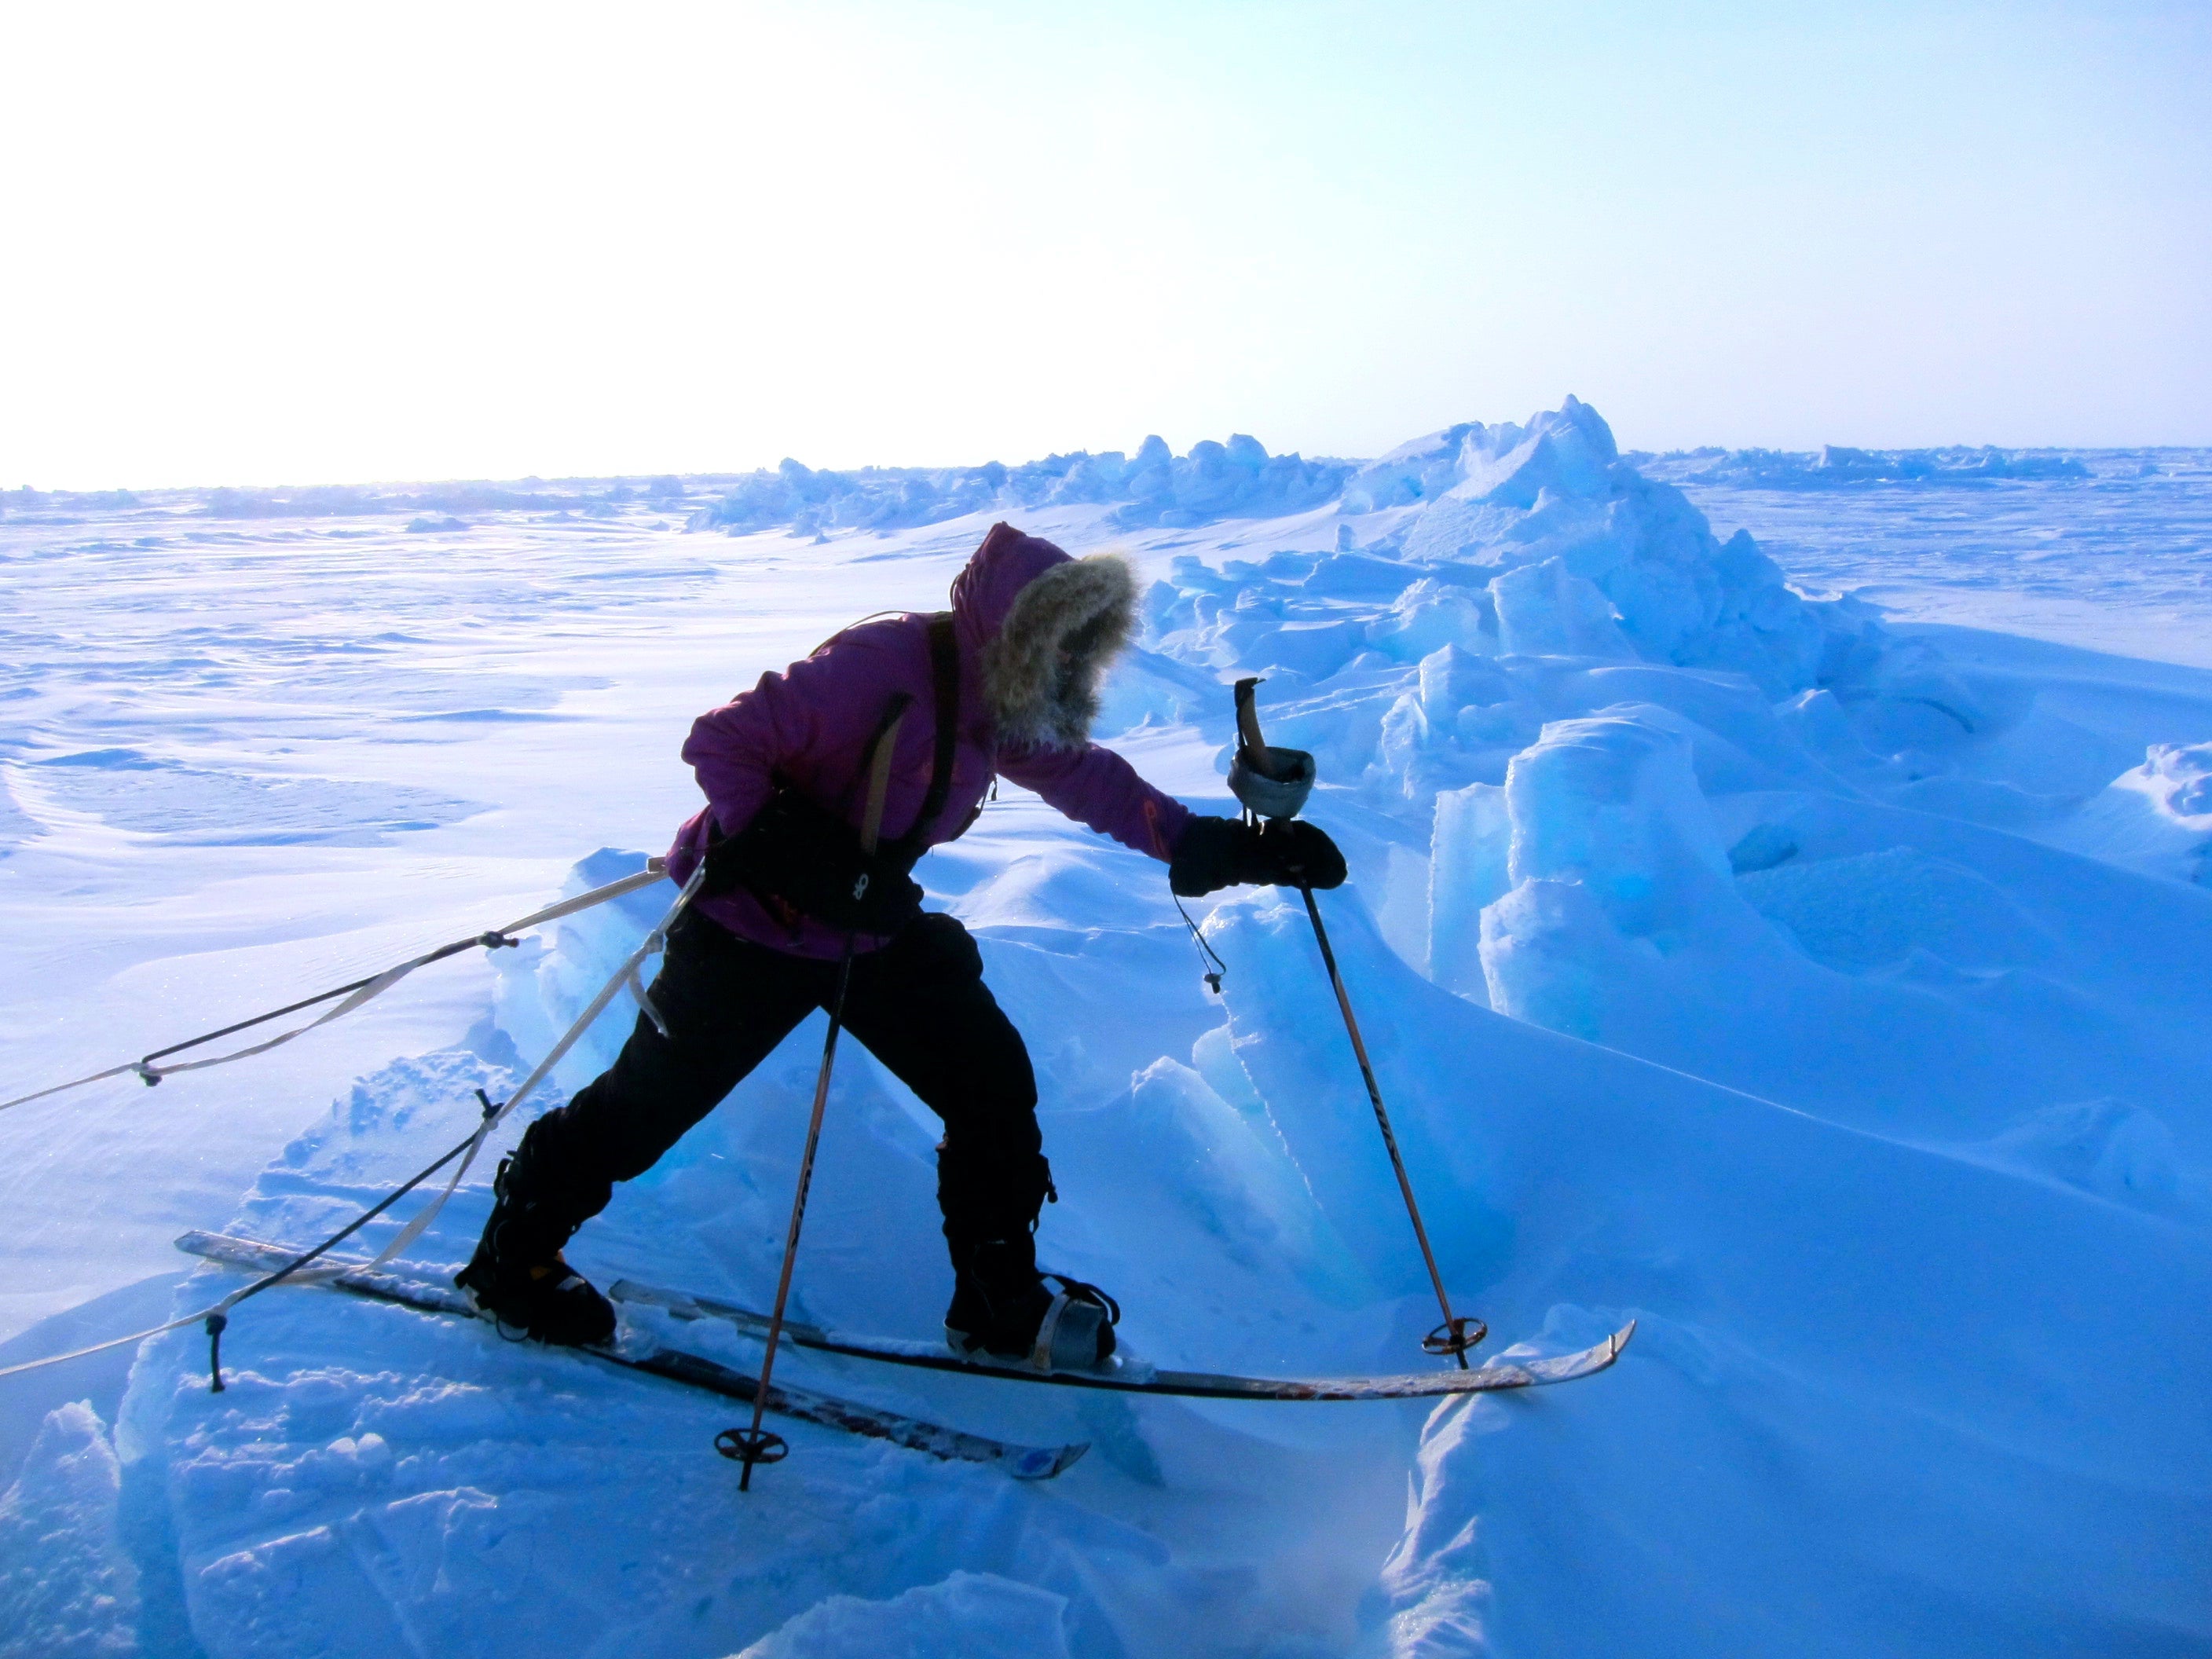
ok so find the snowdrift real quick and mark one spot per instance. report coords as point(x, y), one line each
point(1828, 1001)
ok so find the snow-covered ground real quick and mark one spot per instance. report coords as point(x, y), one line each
point(1825, 989)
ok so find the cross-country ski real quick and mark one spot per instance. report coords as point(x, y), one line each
point(673, 1364)
point(1122, 1375)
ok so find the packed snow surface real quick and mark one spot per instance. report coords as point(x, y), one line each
point(1752, 940)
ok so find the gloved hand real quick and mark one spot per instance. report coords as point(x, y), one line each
point(1223, 852)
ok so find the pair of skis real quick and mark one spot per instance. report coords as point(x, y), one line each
point(1272, 785)
point(1022, 1462)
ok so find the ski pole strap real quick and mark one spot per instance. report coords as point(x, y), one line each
point(1211, 967)
point(1270, 783)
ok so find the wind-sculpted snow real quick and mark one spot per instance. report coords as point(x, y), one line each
point(135, 791)
point(1823, 992)
point(2155, 817)
point(1861, 1363)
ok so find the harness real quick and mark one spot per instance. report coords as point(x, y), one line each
point(944, 687)
point(801, 859)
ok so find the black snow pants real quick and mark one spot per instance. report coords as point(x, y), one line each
point(918, 1005)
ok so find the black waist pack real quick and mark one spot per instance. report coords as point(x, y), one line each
point(802, 859)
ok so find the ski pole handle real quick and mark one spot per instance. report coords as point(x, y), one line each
point(1271, 783)
point(1248, 715)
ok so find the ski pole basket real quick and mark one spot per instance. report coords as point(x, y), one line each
point(1455, 1336)
point(751, 1447)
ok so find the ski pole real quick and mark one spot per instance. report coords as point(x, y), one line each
point(1272, 784)
point(1452, 1337)
point(754, 1445)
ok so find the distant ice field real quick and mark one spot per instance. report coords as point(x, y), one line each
point(2120, 561)
point(1793, 940)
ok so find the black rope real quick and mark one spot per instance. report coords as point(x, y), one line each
point(490, 941)
point(218, 1320)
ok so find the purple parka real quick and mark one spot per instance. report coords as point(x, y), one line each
point(811, 724)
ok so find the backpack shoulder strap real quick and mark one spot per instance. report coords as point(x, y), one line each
point(945, 677)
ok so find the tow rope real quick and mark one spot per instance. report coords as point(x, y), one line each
point(361, 991)
point(216, 1318)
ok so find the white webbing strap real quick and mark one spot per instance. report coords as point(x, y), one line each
point(654, 943)
point(311, 1274)
point(129, 1067)
point(102, 1348)
point(651, 945)
point(644, 999)
point(369, 992)
point(655, 871)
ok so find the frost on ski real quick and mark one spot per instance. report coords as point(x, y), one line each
point(1823, 993)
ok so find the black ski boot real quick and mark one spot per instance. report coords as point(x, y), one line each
point(1002, 1310)
point(518, 1275)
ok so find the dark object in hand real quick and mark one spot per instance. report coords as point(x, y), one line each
point(800, 859)
point(1216, 853)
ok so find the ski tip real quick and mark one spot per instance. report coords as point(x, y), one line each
point(1601, 1357)
point(1597, 1357)
point(1043, 1462)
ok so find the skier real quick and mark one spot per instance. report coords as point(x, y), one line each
point(917, 714)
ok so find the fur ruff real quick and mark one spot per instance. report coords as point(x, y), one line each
point(1086, 607)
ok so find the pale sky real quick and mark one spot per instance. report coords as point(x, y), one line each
point(247, 244)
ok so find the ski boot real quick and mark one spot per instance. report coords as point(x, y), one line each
point(518, 1277)
point(1002, 1310)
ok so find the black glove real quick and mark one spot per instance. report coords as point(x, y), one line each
point(1223, 852)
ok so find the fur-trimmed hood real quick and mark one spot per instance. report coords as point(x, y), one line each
point(1035, 630)
point(1045, 627)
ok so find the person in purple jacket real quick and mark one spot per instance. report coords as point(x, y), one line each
point(911, 716)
